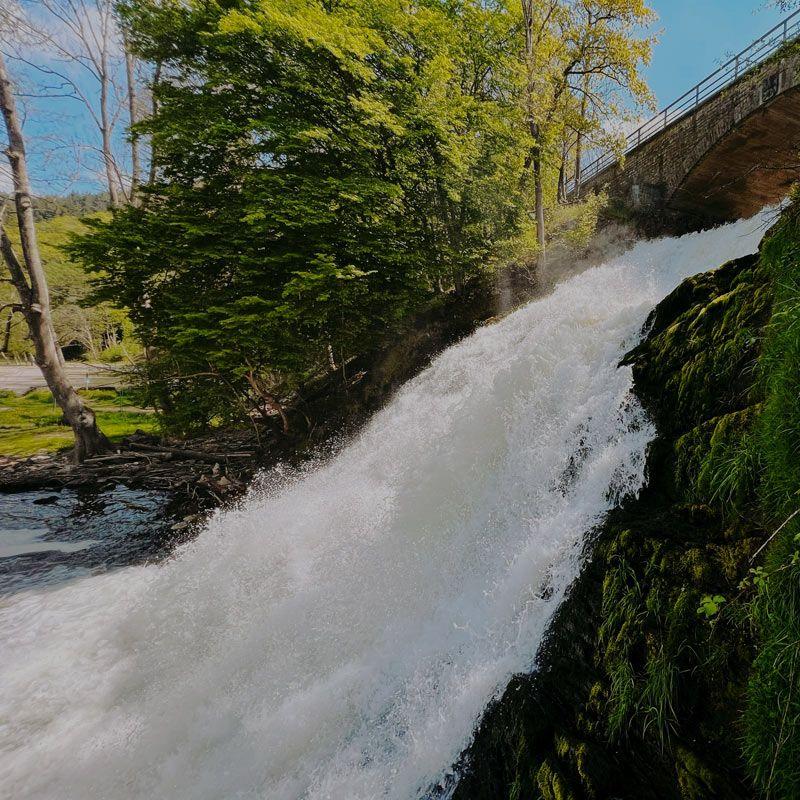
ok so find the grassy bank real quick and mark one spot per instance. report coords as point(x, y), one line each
point(31, 423)
point(772, 720)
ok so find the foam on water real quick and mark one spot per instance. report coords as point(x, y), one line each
point(339, 634)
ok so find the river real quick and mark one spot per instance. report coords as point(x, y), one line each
point(338, 634)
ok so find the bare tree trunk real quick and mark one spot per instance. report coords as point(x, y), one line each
point(84, 35)
point(130, 75)
point(7, 334)
point(538, 197)
point(12, 309)
point(108, 155)
point(154, 110)
point(579, 143)
point(535, 131)
point(29, 280)
point(562, 175)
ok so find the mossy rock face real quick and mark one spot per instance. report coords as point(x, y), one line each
point(697, 361)
point(638, 695)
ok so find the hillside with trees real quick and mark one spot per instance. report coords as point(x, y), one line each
point(74, 204)
point(85, 328)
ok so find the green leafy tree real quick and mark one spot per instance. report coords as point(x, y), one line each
point(321, 170)
point(583, 60)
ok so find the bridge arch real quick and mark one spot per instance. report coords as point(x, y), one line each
point(723, 150)
point(752, 163)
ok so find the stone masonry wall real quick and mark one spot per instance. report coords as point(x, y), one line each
point(652, 176)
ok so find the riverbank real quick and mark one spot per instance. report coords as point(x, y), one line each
point(217, 467)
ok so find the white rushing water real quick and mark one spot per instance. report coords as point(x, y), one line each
point(339, 635)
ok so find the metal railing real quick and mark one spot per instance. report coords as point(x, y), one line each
point(730, 72)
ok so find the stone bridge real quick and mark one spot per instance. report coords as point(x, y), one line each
point(725, 149)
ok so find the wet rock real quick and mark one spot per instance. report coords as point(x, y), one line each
point(46, 501)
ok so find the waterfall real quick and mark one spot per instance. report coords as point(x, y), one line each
point(338, 634)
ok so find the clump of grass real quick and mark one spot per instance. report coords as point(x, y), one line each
point(730, 472)
point(635, 619)
point(32, 423)
point(772, 719)
point(657, 693)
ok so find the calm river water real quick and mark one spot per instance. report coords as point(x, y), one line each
point(52, 537)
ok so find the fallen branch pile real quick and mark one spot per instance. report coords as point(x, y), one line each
point(206, 468)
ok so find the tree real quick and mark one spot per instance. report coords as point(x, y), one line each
point(607, 55)
point(78, 49)
point(28, 278)
point(583, 60)
point(324, 170)
point(133, 117)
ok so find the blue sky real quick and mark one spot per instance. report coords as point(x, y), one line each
point(697, 35)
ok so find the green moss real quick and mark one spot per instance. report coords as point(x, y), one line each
point(666, 669)
point(717, 463)
point(695, 779)
point(743, 464)
point(552, 784)
point(699, 359)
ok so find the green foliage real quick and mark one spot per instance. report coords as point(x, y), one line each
point(76, 319)
point(575, 224)
point(779, 424)
point(710, 605)
point(324, 170)
point(32, 423)
point(772, 733)
point(772, 719)
point(584, 69)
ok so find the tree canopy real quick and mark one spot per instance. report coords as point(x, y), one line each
point(323, 169)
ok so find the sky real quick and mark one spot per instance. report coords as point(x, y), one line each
point(697, 36)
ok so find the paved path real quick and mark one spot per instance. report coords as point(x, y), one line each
point(21, 378)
